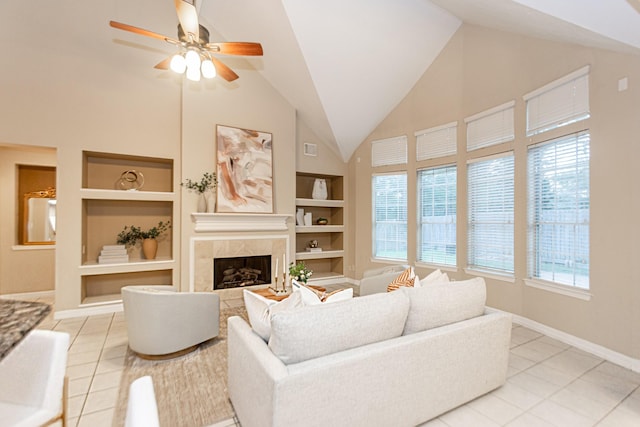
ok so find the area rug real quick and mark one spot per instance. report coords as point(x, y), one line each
point(191, 390)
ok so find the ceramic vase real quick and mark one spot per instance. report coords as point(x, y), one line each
point(150, 248)
point(307, 219)
point(210, 199)
point(300, 216)
point(202, 203)
point(320, 189)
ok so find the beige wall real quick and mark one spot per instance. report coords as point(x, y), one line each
point(28, 268)
point(248, 103)
point(481, 68)
point(53, 96)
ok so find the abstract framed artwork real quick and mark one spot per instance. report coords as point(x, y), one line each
point(245, 170)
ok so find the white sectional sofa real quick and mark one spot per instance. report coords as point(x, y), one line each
point(389, 359)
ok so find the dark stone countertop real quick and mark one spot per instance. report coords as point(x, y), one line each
point(17, 318)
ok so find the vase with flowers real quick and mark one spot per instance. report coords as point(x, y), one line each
point(205, 190)
point(299, 272)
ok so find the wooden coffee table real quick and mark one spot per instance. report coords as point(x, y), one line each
point(266, 292)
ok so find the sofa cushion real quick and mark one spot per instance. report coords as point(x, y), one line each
point(318, 330)
point(260, 309)
point(406, 278)
point(434, 277)
point(444, 303)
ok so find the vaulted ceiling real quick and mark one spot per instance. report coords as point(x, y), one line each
point(345, 64)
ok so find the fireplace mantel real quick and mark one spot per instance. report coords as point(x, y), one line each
point(214, 222)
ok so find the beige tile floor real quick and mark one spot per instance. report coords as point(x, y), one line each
point(549, 384)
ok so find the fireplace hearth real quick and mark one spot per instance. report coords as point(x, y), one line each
point(238, 272)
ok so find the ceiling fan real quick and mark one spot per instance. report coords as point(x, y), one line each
point(196, 55)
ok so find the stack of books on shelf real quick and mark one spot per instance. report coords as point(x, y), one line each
point(111, 254)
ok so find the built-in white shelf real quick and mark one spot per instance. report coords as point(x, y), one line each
point(319, 255)
point(105, 299)
point(133, 266)
point(317, 276)
point(99, 194)
point(319, 229)
point(320, 203)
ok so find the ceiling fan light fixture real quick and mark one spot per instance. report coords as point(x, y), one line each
point(178, 64)
point(208, 69)
point(193, 74)
point(193, 59)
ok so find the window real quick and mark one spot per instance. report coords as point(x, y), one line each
point(490, 127)
point(558, 211)
point(390, 151)
point(558, 103)
point(390, 216)
point(437, 215)
point(436, 142)
point(490, 226)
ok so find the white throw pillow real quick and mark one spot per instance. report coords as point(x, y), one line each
point(310, 296)
point(444, 303)
point(434, 277)
point(322, 329)
point(260, 309)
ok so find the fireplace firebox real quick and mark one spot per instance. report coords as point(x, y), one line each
point(241, 271)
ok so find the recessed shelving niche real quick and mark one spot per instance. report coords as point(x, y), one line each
point(328, 263)
point(107, 209)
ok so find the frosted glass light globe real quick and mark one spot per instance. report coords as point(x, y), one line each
point(208, 69)
point(178, 63)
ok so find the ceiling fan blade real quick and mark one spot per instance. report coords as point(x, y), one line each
point(164, 64)
point(141, 31)
point(188, 17)
point(223, 71)
point(236, 48)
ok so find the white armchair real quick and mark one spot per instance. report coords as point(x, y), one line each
point(376, 280)
point(32, 378)
point(162, 323)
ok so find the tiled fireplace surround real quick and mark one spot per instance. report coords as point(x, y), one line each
point(227, 236)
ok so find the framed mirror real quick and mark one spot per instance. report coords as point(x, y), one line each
point(39, 217)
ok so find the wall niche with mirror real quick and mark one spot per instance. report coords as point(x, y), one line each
point(36, 201)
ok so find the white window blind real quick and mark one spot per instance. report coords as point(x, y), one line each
point(490, 219)
point(558, 210)
point(436, 142)
point(389, 215)
point(490, 127)
point(390, 151)
point(437, 215)
point(558, 103)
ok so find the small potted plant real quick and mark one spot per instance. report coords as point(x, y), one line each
point(299, 272)
point(130, 235)
point(204, 188)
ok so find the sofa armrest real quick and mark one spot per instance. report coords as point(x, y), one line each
point(253, 374)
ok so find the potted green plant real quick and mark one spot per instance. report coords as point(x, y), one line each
point(299, 272)
point(204, 188)
point(130, 236)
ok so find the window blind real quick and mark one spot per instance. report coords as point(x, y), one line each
point(490, 219)
point(558, 210)
point(558, 103)
point(390, 151)
point(436, 142)
point(437, 215)
point(490, 127)
point(389, 215)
